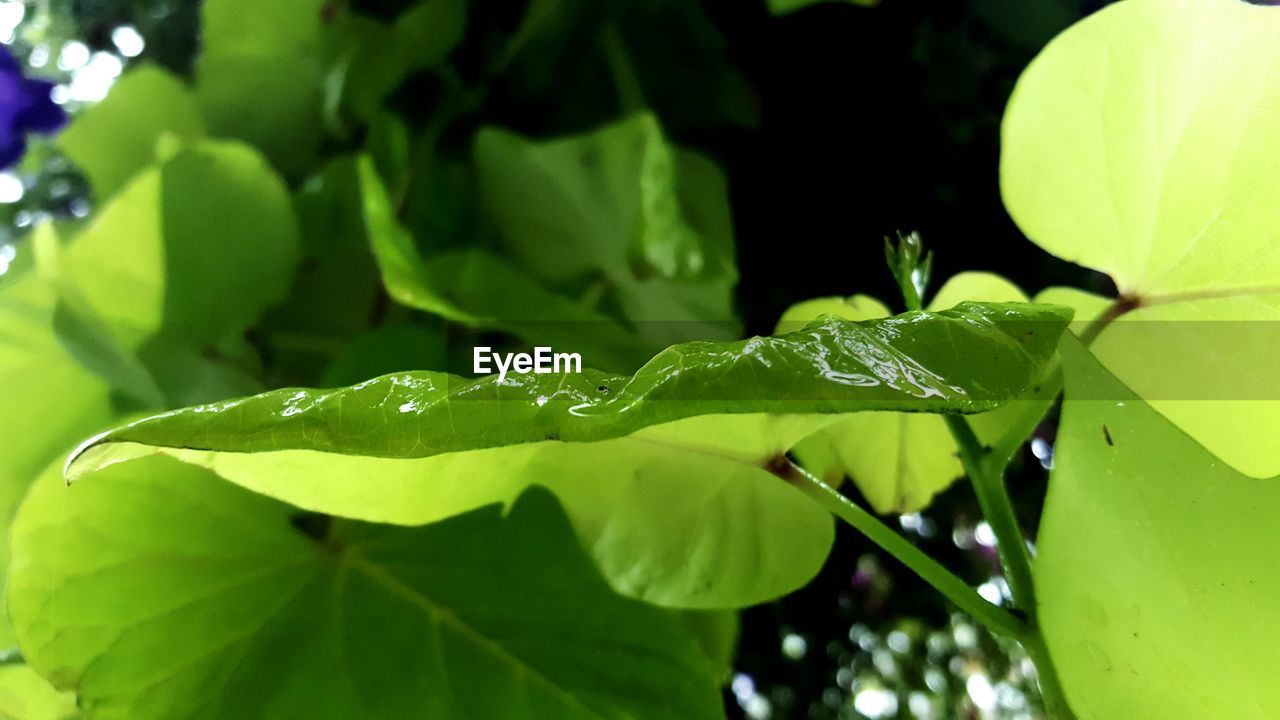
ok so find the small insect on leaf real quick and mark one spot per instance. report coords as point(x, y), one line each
point(1106, 434)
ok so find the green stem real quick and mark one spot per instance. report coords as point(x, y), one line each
point(536, 16)
point(625, 81)
point(1055, 701)
point(988, 485)
point(951, 587)
point(1120, 307)
point(998, 511)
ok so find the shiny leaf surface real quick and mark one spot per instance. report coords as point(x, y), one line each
point(693, 424)
point(917, 362)
point(899, 461)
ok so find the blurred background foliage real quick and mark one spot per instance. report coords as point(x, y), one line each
point(836, 124)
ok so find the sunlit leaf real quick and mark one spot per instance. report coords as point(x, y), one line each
point(24, 695)
point(254, 610)
point(118, 137)
point(691, 425)
point(1162, 173)
point(1087, 306)
point(1154, 573)
point(48, 400)
point(151, 278)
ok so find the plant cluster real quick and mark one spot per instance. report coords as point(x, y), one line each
point(292, 503)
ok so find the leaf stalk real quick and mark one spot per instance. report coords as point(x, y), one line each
point(929, 570)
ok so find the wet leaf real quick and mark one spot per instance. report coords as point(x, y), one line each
point(899, 461)
point(693, 424)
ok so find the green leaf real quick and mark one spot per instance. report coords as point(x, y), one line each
point(387, 349)
point(899, 461)
point(24, 695)
point(85, 335)
point(478, 288)
point(44, 389)
point(1161, 174)
point(260, 75)
point(919, 362)
point(691, 424)
point(716, 632)
point(118, 137)
point(622, 207)
point(1162, 160)
point(384, 55)
point(856, 307)
point(336, 289)
point(1087, 306)
point(152, 261)
point(252, 610)
point(1154, 572)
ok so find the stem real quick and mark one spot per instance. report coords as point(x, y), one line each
point(988, 485)
point(1121, 306)
point(929, 570)
point(1055, 701)
point(538, 14)
point(998, 511)
point(625, 81)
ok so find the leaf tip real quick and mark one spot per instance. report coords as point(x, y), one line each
point(77, 464)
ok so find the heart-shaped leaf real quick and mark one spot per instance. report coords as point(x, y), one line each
point(622, 207)
point(1162, 172)
point(118, 137)
point(478, 288)
point(43, 388)
point(1155, 571)
point(255, 611)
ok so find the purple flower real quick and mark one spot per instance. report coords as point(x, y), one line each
point(25, 107)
